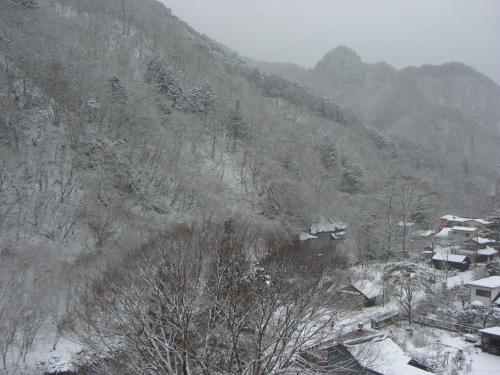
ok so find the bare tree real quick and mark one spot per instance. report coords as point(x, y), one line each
point(65, 174)
point(405, 280)
point(193, 301)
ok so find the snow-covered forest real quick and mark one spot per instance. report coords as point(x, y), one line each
point(168, 206)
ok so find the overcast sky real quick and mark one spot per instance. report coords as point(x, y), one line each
point(400, 32)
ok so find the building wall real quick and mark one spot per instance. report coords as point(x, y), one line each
point(474, 224)
point(485, 300)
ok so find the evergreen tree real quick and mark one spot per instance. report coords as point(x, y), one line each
point(237, 127)
point(351, 180)
point(328, 153)
point(421, 211)
point(116, 92)
point(200, 99)
point(170, 86)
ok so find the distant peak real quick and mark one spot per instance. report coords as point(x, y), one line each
point(342, 54)
point(342, 63)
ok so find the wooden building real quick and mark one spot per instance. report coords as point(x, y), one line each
point(443, 261)
point(486, 291)
point(490, 340)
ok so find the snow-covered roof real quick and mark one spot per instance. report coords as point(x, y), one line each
point(449, 257)
point(488, 282)
point(482, 221)
point(306, 236)
point(463, 229)
point(491, 331)
point(481, 240)
point(443, 233)
point(326, 226)
point(423, 233)
point(458, 219)
point(371, 289)
point(384, 356)
point(488, 251)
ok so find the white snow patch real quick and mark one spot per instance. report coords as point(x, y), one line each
point(423, 233)
point(306, 236)
point(401, 224)
point(326, 226)
point(443, 233)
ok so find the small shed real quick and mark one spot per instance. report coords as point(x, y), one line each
point(442, 261)
point(486, 255)
point(380, 321)
point(367, 293)
point(481, 224)
point(490, 340)
point(478, 243)
point(460, 233)
point(449, 221)
point(485, 290)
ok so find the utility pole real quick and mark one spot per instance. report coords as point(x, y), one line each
point(477, 245)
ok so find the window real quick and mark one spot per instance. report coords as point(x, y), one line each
point(483, 293)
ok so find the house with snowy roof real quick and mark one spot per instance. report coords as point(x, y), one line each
point(485, 292)
point(448, 221)
point(480, 224)
point(360, 352)
point(485, 255)
point(490, 340)
point(478, 243)
point(365, 292)
point(376, 355)
point(446, 260)
point(460, 234)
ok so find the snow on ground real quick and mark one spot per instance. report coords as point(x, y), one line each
point(306, 236)
point(444, 233)
point(463, 277)
point(443, 347)
point(43, 359)
point(59, 360)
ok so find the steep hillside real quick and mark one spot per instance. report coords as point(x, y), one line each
point(118, 119)
point(452, 109)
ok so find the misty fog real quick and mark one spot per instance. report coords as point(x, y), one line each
point(401, 33)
